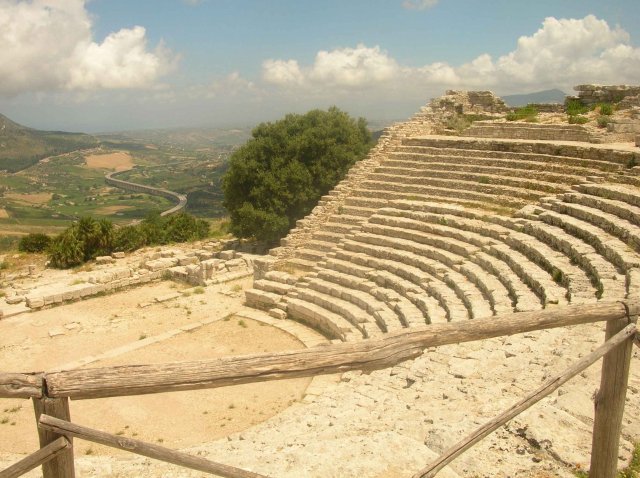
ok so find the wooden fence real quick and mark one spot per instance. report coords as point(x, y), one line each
point(51, 392)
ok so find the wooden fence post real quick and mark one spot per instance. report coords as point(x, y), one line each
point(61, 466)
point(609, 404)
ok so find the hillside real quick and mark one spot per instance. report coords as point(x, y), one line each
point(21, 147)
point(546, 96)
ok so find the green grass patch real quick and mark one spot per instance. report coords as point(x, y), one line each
point(527, 113)
point(575, 107)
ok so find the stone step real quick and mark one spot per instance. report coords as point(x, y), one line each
point(352, 208)
point(371, 198)
point(531, 274)
point(327, 236)
point(261, 299)
point(337, 228)
point(435, 262)
point(611, 191)
point(515, 146)
point(280, 276)
point(558, 266)
point(374, 308)
point(433, 224)
point(554, 166)
point(347, 219)
point(521, 294)
point(272, 286)
point(491, 287)
point(454, 308)
point(355, 316)
point(431, 165)
point(371, 189)
point(431, 310)
point(493, 180)
point(440, 208)
point(609, 246)
point(328, 323)
point(623, 210)
point(347, 267)
point(486, 155)
point(319, 246)
point(310, 255)
point(394, 183)
point(624, 230)
point(608, 280)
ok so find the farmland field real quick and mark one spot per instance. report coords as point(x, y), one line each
point(49, 195)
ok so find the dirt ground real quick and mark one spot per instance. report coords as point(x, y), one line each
point(3, 213)
point(119, 161)
point(56, 337)
point(112, 209)
point(38, 198)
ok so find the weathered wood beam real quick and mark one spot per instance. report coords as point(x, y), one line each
point(36, 459)
point(609, 405)
point(549, 387)
point(139, 447)
point(62, 465)
point(365, 355)
point(20, 385)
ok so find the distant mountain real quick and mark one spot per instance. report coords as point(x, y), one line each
point(21, 147)
point(546, 96)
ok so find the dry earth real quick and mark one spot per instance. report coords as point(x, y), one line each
point(3, 213)
point(36, 198)
point(119, 161)
point(114, 325)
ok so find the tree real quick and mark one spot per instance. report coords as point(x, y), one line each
point(279, 175)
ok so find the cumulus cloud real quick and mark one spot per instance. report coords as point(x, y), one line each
point(563, 52)
point(282, 72)
point(48, 45)
point(419, 4)
point(345, 67)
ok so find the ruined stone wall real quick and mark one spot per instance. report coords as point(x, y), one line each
point(592, 94)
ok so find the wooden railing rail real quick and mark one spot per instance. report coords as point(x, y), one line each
point(66, 428)
point(38, 458)
point(365, 355)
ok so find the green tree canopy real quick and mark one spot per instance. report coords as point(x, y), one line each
point(279, 175)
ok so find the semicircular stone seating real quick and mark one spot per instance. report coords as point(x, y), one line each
point(430, 229)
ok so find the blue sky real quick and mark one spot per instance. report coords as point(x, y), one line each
point(108, 65)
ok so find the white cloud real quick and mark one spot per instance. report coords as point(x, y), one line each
point(419, 4)
point(48, 45)
point(281, 72)
point(353, 66)
point(563, 52)
point(345, 67)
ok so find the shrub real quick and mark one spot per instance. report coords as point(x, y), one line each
point(603, 121)
point(575, 107)
point(578, 119)
point(279, 175)
point(35, 242)
point(128, 239)
point(66, 250)
point(606, 109)
point(528, 113)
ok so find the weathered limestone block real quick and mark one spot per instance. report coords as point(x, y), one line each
point(226, 255)
point(35, 302)
point(187, 260)
point(104, 260)
point(118, 255)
